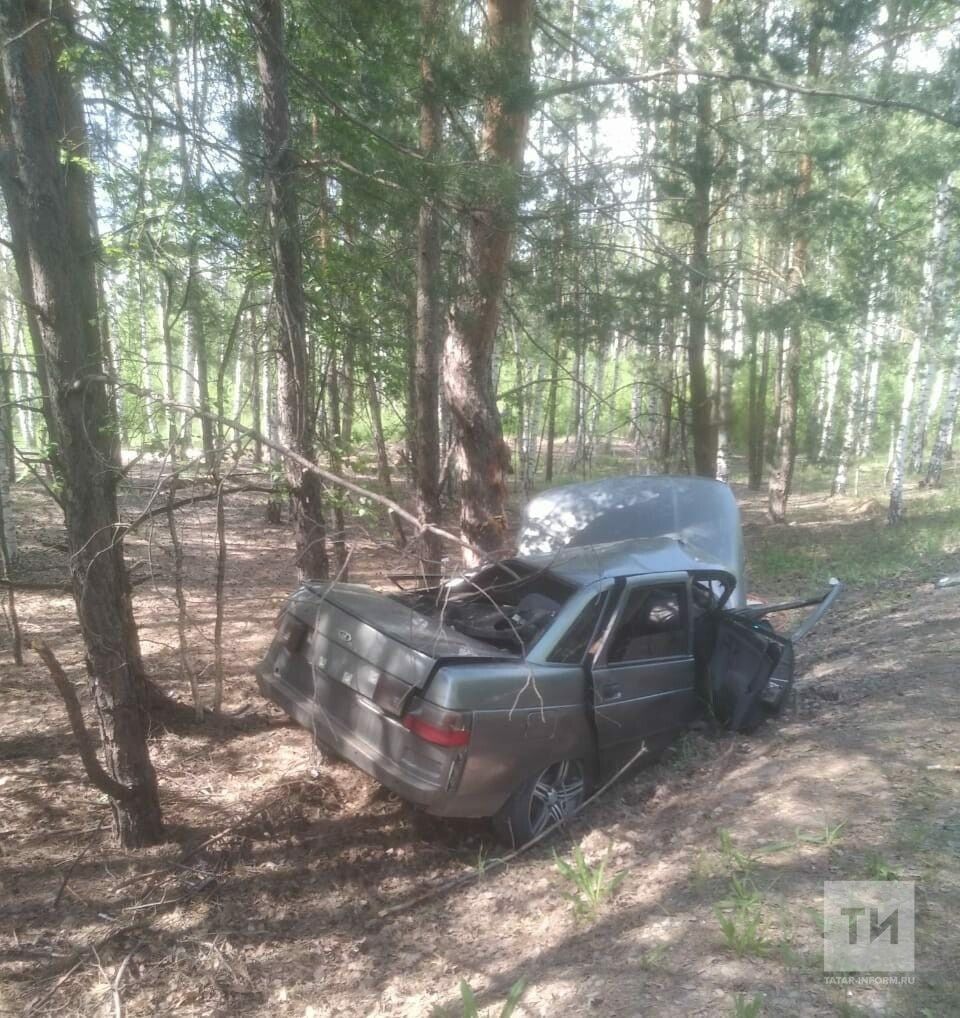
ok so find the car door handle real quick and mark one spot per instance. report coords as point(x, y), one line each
point(611, 691)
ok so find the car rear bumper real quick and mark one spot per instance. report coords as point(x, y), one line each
point(356, 729)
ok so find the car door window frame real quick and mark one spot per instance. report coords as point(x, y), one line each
point(630, 586)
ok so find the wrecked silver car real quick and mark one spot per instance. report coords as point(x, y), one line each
point(504, 693)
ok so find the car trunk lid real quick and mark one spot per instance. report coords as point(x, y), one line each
point(366, 639)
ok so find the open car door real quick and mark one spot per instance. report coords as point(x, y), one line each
point(751, 669)
point(750, 672)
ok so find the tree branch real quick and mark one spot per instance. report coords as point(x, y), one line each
point(567, 87)
point(284, 450)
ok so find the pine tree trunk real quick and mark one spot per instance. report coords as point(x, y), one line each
point(425, 381)
point(484, 457)
point(287, 256)
point(781, 480)
point(45, 114)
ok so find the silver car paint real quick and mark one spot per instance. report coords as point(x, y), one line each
point(524, 712)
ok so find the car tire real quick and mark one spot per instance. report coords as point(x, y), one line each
point(551, 795)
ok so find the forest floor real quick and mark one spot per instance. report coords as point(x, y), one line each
point(307, 903)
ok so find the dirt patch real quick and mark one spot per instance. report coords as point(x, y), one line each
point(274, 894)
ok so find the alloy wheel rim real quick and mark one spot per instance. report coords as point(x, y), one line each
point(557, 793)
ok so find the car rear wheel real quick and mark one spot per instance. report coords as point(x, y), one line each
point(554, 794)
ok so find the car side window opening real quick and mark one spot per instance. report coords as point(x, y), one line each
point(653, 625)
point(573, 644)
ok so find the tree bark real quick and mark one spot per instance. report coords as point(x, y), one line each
point(781, 480)
point(425, 384)
point(831, 379)
point(898, 465)
point(484, 458)
point(296, 382)
point(948, 414)
point(704, 440)
point(44, 117)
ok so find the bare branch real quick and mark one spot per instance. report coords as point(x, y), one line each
point(284, 450)
point(567, 87)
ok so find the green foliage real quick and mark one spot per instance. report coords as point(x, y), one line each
point(589, 883)
point(735, 860)
point(747, 1007)
point(741, 930)
point(471, 1008)
point(876, 868)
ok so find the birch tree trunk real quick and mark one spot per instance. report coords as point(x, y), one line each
point(853, 421)
point(938, 275)
point(948, 414)
point(831, 380)
point(44, 117)
point(872, 388)
point(898, 464)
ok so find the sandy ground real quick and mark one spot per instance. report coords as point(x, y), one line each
point(307, 904)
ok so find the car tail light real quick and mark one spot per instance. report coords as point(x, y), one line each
point(293, 633)
point(437, 726)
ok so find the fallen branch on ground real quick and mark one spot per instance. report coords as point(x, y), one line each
point(464, 878)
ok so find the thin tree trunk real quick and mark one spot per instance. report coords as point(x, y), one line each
point(781, 479)
point(872, 385)
point(759, 428)
point(334, 447)
point(948, 414)
point(256, 384)
point(921, 412)
point(484, 456)
point(383, 459)
point(667, 376)
point(22, 381)
point(45, 116)
point(831, 379)
point(704, 441)
point(898, 465)
point(183, 651)
point(219, 600)
point(297, 391)
point(425, 380)
point(552, 395)
point(854, 417)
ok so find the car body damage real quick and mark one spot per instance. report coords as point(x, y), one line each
point(505, 692)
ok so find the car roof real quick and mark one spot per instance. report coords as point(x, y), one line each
point(639, 556)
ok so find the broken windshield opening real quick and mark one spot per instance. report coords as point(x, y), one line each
point(508, 605)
